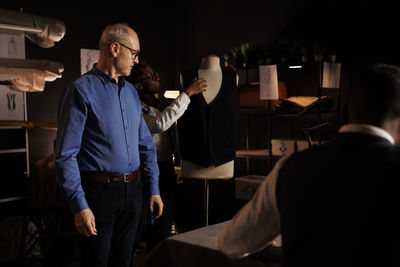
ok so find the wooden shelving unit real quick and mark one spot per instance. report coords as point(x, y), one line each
point(319, 117)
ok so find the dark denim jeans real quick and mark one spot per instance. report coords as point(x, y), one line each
point(117, 209)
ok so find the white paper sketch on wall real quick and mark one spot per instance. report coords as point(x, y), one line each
point(11, 104)
point(88, 58)
point(268, 82)
point(331, 75)
point(12, 48)
point(12, 45)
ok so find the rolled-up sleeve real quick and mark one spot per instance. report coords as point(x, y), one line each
point(71, 119)
point(256, 224)
point(164, 120)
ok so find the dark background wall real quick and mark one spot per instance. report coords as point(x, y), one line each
point(175, 34)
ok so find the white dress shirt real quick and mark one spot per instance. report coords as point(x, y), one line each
point(158, 122)
point(257, 224)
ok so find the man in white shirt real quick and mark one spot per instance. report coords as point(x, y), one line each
point(334, 204)
point(160, 119)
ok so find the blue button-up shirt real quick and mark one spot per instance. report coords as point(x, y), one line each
point(101, 128)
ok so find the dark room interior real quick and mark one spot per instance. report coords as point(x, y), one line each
point(174, 36)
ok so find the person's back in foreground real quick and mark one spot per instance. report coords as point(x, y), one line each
point(334, 204)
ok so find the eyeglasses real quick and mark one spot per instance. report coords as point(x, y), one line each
point(154, 76)
point(134, 53)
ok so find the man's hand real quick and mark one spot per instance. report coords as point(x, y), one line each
point(196, 87)
point(156, 206)
point(84, 222)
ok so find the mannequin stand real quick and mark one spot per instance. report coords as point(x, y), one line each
point(206, 194)
point(269, 135)
point(206, 200)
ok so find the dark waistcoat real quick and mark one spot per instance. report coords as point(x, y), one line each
point(339, 203)
point(207, 132)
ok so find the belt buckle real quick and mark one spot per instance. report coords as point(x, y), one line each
point(125, 175)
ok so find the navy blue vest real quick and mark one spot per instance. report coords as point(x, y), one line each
point(339, 203)
point(207, 132)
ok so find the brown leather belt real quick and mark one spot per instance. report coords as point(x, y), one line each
point(109, 177)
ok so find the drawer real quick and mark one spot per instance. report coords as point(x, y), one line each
point(281, 147)
point(247, 185)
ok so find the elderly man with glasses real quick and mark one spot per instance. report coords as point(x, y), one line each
point(160, 117)
point(102, 147)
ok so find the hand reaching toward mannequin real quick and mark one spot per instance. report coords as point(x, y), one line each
point(196, 87)
point(85, 223)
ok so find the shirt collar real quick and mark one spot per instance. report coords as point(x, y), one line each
point(366, 129)
point(105, 78)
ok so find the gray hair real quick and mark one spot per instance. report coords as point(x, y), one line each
point(114, 33)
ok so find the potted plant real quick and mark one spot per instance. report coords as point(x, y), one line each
point(331, 55)
point(283, 49)
point(304, 54)
point(268, 54)
point(242, 54)
point(319, 52)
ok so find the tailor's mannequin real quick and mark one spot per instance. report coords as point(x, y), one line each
point(210, 70)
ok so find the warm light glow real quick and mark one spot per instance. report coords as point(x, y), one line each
point(295, 67)
point(173, 94)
